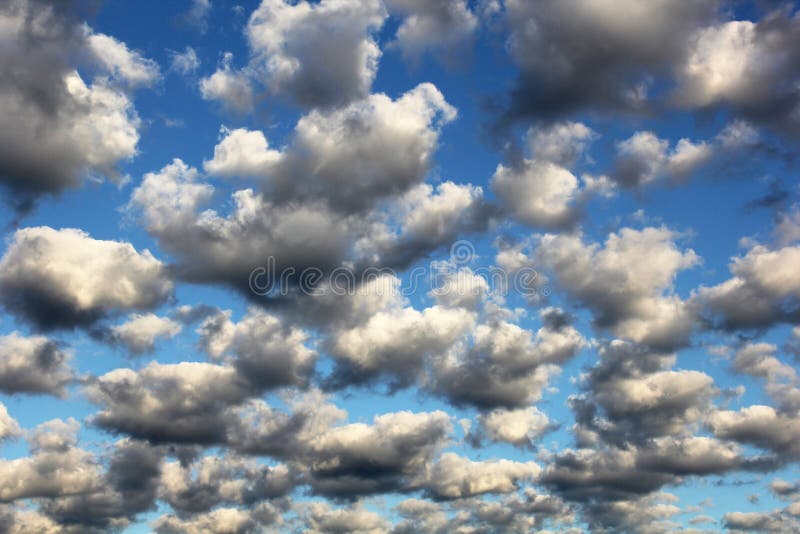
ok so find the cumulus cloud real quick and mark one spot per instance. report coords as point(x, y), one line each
point(633, 299)
point(187, 402)
point(594, 59)
point(9, 428)
point(520, 427)
point(444, 28)
point(34, 365)
point(317, 55)
point(764, 290)
point(57, 128)
point(264, 350)
point(643, 158)
point(228, 86)
point(455, 477)
point(505, 366)
point(141, 331)
point(541, 191)
point(751, 66)
point(64, 278)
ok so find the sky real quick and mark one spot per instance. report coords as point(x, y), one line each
point(399, 266)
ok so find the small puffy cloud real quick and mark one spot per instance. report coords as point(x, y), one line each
point(141, 331)
point(752, 66)
point(57, 127)
point(242, 152)
point(504, 366)
point(120, 62)
point(64, 278)
point(455, 477)
point(265, 351)
point(633, 299)
point(232, 88)
point(387, 455)
point(9, 428)
point(540, 194)
point(33, 365)
point(320, 518)
point(643, 158)
point(764, 290)
point(188, 402)
point(317, 54)
point(520, 427)
point(560, 143)
point(55, 468)
point(185, 62)
point(444, 28)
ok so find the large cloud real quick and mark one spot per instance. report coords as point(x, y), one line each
point(64, 278)
point(631, 298)
point(574, 54)
point(56, 127)
point(315, 54)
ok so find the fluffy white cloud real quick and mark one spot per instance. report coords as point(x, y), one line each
point(519, 427)
point(264, 350)
point(64, 278)
point(455, 477)
point(121, 62)
point(9, 428)
point(57, 128)
point(632, 298)
point(764, 290)
point(230, 87)
point(318, 54)
point(445, 28)
point(141, 331)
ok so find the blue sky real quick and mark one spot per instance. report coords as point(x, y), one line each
point(640, 159)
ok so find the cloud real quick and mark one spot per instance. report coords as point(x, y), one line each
point(361, 459)
point(643, 158)
point(233, 89)
point(9, 428)
point(505, 366)
point(263, 349)
point(212, 481)
point(750, 66)
point(351, 157)
point(594, 60)
point(56, 467)
point(319, 55)
point(45, 278)
point(454, 477)
point(141, 331)
point(185, 62)
point(319, 517)
point(763, 291)
point(520, 427)
point(129, 67)
point(444, 28)
point(188, 402)
point(34, 365)
point(58, 128)
point(633, 299)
